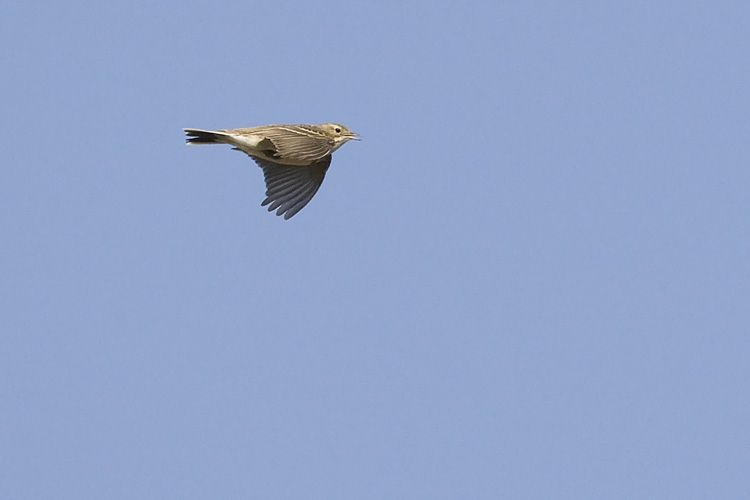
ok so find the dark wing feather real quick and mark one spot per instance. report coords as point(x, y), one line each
point(290, 188)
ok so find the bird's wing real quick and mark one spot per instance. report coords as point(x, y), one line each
point(289, 188)
point(294, 143)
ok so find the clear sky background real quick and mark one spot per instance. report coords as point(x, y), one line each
point(530, 280)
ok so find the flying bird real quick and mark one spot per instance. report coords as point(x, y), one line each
point(294, 158)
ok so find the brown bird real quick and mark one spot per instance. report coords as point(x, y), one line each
point(294, 158)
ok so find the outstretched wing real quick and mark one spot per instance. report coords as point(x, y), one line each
point(289, 187)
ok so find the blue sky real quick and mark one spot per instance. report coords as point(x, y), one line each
point(529, 280)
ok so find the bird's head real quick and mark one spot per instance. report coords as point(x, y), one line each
point(339, 133)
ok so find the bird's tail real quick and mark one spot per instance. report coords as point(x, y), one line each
point(197, 136)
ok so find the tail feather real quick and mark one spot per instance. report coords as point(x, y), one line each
point(197, 136)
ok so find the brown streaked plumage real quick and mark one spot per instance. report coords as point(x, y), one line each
point(294, 158)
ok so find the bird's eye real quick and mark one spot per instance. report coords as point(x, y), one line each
point(338, 130)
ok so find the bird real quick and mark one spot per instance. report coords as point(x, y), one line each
point(294, 158)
